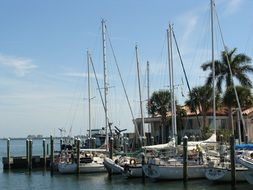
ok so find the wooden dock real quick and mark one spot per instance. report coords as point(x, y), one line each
point(21, 162)
point(30, 161)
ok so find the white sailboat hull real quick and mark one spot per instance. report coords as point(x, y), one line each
point(224, 175)
point(112, 167)
point(247, 162)
point(92, 168)
point(128, 170)
point(171, 172)
point(70, 168)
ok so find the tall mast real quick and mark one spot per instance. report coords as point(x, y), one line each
point(213, 66)
point(171, 77)
point(89, 99)
point(105, 81)
point(173, 89)
point(170, 81)
point(148, 92)
point(139, 85)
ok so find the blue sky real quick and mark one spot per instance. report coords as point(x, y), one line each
point(43, 44)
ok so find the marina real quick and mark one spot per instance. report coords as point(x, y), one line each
point(198, 139)
point(42, 179)
point(105, 178)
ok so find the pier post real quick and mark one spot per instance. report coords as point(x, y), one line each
point(44, 153)
point(111, 147)
point(30, 155)
point(47, 149)
point(148, 139)
point(93, 142)
point(78, 156)
point(232, 160)
point(27, 153)
point(185, 158)
point(8, 153)
point(221, 148)
point(61, 144)
point(142, 164)
point(51, 155)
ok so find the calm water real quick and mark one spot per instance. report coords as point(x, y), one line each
point(21, 179)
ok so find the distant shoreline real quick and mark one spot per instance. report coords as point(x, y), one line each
point(24, 138)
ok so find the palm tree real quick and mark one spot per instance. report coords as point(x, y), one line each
point(159, 104)
point(229, 100)
point(201, 98)
point(239, 64)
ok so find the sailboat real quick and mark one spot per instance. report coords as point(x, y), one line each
point(221, 171)
point(134, 167)
point(91, 160)
point(170, 167)
point(130, 167)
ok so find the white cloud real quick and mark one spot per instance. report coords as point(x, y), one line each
point(21, 66)
point(85, 75)
point(232, 6)
point(190, 26)
point(187, 25)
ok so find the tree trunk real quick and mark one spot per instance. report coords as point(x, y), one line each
point(230, 119)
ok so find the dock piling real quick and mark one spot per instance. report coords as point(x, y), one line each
point(78, 156)
point(27, 153)
point(30, 155)
point(51, 155)
point(8, 154)
point(44, 153)
point(232, 160)
point(185, 158)
point(47, 149)
point(61, 144)
point(111, 147)
point(93, 142)
point(143, 163)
